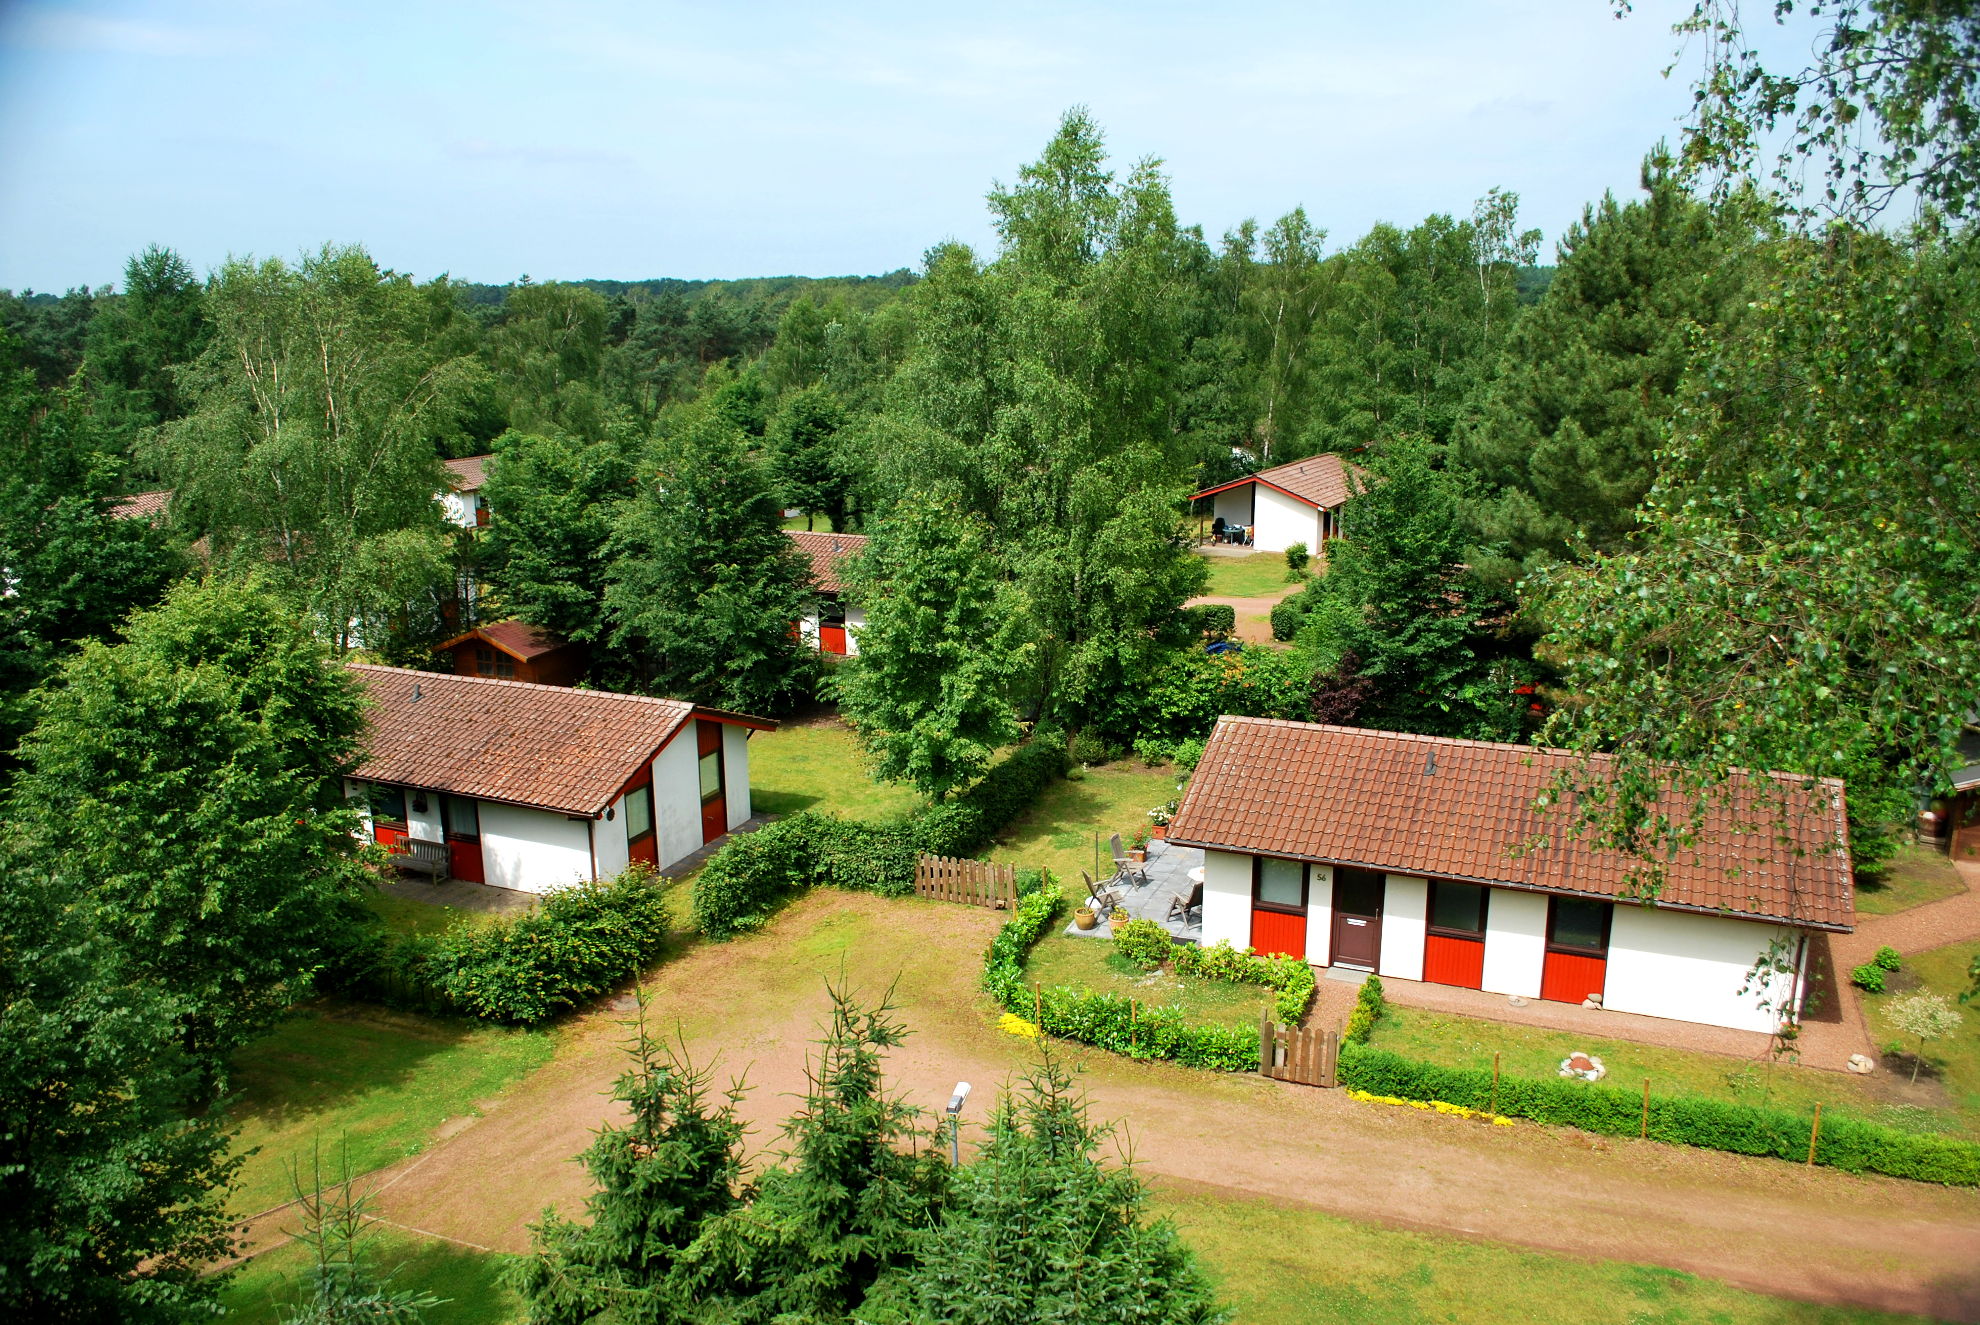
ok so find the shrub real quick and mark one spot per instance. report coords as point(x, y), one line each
point(1887, 958)
point(1144, 943)
point(1088, 748)
point(1290, 613)
point(1191, 690)
point(1208, 619)
point(576, 944)
point(1153, 750)
point(1744, 1129)
point(1289, 977)
point(1296, 558)
point(1367, 1011)
point(1869, 976)
point(1188, 754)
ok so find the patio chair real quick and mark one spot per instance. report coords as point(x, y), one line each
point(1182, 906)
point(1104, 899)
point(1125, 869)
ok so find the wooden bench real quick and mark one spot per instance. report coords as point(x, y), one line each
point(418, 856)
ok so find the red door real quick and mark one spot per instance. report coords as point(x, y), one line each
point(1278, 933)
point(460, 821)
point(388, 836)
point(464, 860)
point(832, 639)
point(714, 794)
point(1569, 977)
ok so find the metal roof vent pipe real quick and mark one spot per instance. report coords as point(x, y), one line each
point(415, 693)
point(1430, 764)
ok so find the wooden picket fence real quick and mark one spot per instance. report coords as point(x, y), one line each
point(1304, 1056)
point(971, 882)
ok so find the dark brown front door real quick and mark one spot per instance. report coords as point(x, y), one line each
point(1358, 917)
point(714, 797)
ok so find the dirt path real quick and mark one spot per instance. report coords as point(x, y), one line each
point(1254, 615)
point(755, 1003)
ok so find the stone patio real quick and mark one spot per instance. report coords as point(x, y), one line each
point(1168, 877)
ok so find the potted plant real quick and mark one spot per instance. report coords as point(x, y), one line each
point(1118, 921)
point(1160, 817)
point(1086, 917)
point(1138, 846)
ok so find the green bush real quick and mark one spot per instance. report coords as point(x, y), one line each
point(1869, 976)
point(1088, 748)
point(1190, 690)
point(1144, 943)
point(574, 946)
point(1743, 1129)
point(1887, 958)
point(1296, 558)
point(1208, 619)
point(1290, 613)
point(1290, 978)
point(1367, 1011)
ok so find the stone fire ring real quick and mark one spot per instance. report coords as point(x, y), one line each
point(1584, 1067)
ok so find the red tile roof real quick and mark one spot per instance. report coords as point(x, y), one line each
point(826, 552)
point(1320, 480)
point(549, 747)
point(1442, 808)
point(141, 505)
point(521, 642)
point(469, 472)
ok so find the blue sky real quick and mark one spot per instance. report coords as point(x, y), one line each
point(659, 139)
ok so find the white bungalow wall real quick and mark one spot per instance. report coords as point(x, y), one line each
point(855, 618)
point(1283, 521)
point(1226, 898)
point(1515, 942)
point(1319, 914)
point(1234, 504)
point(1692, 967)
point(533, 851)
point(608, 838)
point(424, 824)
point(735, 773)
point(1405, 907)
point(677, 799)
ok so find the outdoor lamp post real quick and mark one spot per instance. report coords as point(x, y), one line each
point(955, 1109)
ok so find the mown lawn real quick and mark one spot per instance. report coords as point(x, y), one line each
point(379, 1083)
point(1533, 1052)
point(818, 766)
point(1916, 875)
point(820, 523)
point(1059, 831)
point(1953, 1062)
point(1275, 1264)
point(404, 915)
point(1255, 576)
point(1092, 963)
point(469, 1281)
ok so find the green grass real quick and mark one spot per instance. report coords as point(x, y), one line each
point(1092, 963)
point(379, 1082)
point(1058, 831)
point(1255, 576)
point(819, 767)
point(1301, 1267)
point(1532, 1052)
point(1916, 875)
point(820, 523)
point(469, 1280)
point(1955, 1060)
point(403, 915)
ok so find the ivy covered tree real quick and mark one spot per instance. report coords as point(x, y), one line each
point(189, 779)
point(554, 501)
point(942, 646)
point(1037, 1227)
point(704, 590)
point(112, 1188)
point(1565, 438)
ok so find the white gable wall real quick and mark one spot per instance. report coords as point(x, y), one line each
point(1234, 504)
point(735, 773)
point(533, 851)
point(1283, 521)
point(1691, 967)
point(1515, 942)
point(1405, 907)
point(677, 798)
point(1227, 898)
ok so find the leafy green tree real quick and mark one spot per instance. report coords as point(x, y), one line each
point(324, 401)
point(50, 331)
point(112, 1196)
point(805, 454)
point(1397, 622)
point(942, 645)
point(1288, 289)
point(1038, 1228)
point(545, 355)
point(1565, 437)
point(189, 778)
point(676, 1165)
point(555, 500)
point(704, 590)
point(139, 340)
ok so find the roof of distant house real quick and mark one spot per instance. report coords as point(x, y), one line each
point(826, 552)
point(1318, 480)
point(548, 747)
point(520, 641)
point(469, 472)
point(141, 505)
point(1440, 808)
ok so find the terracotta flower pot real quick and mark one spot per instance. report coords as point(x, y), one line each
point(1139, 855)
point(1118, 922)
point(1085, 917)
point(1159, 832)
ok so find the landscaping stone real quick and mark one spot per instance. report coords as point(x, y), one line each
point(1585, 1066)
point(1860, 1064)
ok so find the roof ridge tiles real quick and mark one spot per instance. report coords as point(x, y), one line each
point(456, 677)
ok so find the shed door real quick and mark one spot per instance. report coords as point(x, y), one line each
point(832, 639)
point(1358, 896)
point(461, 820)
point(714, 797)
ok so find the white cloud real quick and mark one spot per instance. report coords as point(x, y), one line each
point(39, 28)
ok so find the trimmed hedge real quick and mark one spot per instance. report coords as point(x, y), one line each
point(745, 882)
point(1209, 619)
point(1290, 978)
point(1743, 1129)
point(1367, 1010)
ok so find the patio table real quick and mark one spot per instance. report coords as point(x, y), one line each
point(1196, 875)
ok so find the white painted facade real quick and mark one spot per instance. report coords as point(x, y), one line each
point(735, 773)
point(677, 799)
point(1283, 521)
point(1661, 963)
point(1234, 504)
point(855, 618)
point(533, 851)
point(462, 508)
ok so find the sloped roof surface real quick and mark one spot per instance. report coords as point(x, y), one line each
point(521, 642)
point(141, 505)
point(1455, 809)
point(826, 552)
point(551, 747)
point(1320, 479)
point(469, 472)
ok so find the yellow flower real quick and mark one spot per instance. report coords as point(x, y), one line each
point(1012, 1024)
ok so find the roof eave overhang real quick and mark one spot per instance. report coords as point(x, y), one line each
point(1263, 483)
point(1517, 886)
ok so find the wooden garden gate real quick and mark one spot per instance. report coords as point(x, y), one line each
point(1289, 1054)
point(971, 882)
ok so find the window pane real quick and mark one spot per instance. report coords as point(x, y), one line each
point(639, 811)
point(1359, 892)
point(1281, 882)
point(1579, 924)
point(387, 802)
point(1458, 906)
point(463, 817)
point(711, 774)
